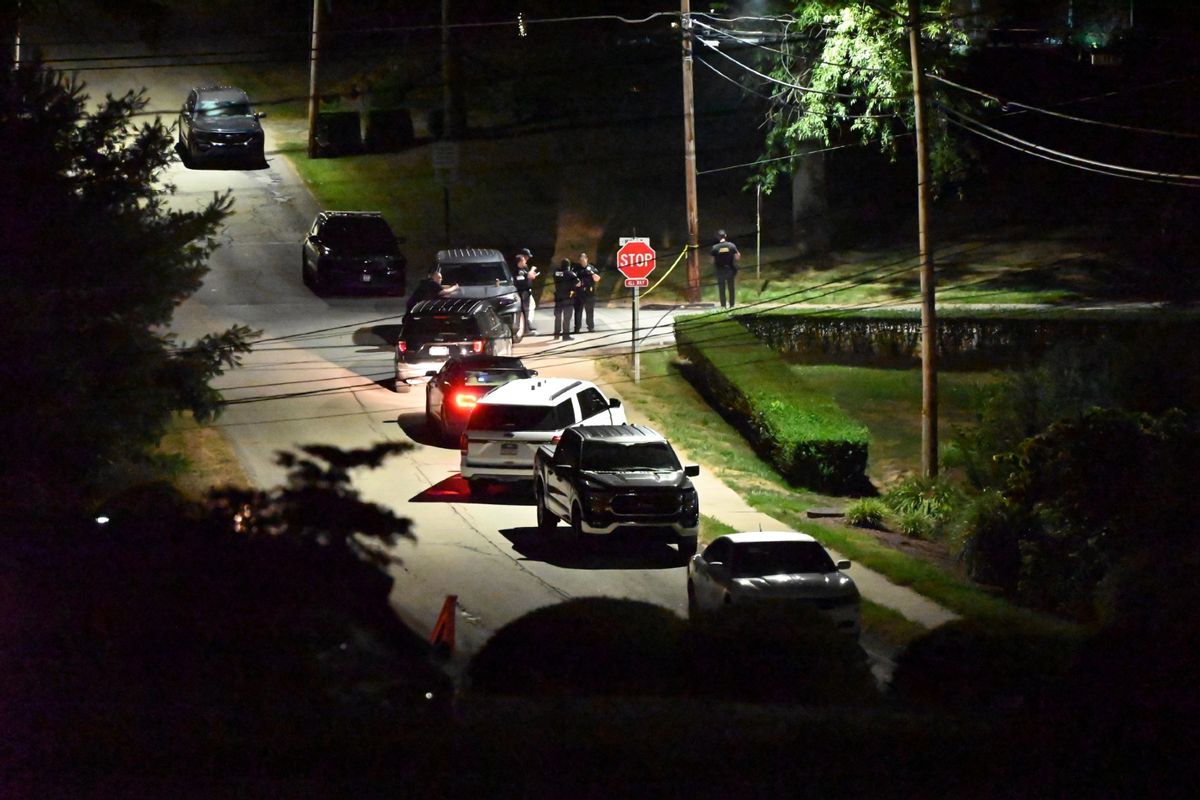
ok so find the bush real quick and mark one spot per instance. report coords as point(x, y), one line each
point(866, 513)
point(922, 506)
point(805, 436)
point(389, 130)
point(588, 646)
point(339, 133)
point(776, 653)
point(965, 664)
point(915, 525)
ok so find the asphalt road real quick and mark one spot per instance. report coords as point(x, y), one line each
point(321, 377)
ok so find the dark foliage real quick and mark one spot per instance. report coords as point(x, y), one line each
point(967, 665)
point(94, 263)
point(605, 647)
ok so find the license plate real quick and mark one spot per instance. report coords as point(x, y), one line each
point(438, 350)
point(366, 277)
point(508, 449)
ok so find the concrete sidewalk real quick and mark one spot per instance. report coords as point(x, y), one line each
point(722, 503)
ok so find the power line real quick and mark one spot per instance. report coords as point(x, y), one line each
point(1005, 104)
point(1115, 170)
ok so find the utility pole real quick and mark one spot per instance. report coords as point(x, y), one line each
point(689, 156)
point(313, 102)
point(929, 402)
point(447, 95)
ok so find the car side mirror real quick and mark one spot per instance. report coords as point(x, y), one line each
point(431, 374)
point(842, 565)
point(691, 470)
point(259, 114)
point(716, 566)
point(564, 469)
point(533, 373)
point(614, 402)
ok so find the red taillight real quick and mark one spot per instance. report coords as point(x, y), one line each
point(402, 346)
point(462, 443)
point(555, 440)
point(465, 401)
point(477, 346)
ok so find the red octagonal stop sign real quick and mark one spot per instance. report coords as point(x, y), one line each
point(635, 259)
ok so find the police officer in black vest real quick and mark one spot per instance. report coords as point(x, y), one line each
point(566, 283)
point(585, 298)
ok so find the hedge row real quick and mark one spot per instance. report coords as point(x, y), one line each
point(980, 341)
point(806, 436)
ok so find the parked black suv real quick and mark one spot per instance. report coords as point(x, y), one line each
point(217, 122)
point(352, 250)
point(484, 274)
point(435, 330)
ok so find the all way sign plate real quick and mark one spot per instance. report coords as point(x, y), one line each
point(636, 282)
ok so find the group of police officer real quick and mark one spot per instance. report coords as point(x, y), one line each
point(574, 293)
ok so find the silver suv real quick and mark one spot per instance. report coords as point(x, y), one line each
point(484, 274)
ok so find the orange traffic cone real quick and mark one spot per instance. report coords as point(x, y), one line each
point(442, 638)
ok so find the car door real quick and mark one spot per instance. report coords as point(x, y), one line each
point(185, 117)
point(435, 391)
point(709, 581)
point(562, 472)
point(594, 409)
point(310, 242)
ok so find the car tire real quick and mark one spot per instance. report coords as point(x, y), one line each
point(693, 603)
point(687, 547)
point(546, 521)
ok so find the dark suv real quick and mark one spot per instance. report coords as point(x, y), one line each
point(435, 330)
point(483, 274)
point(352, 250)
point(217, 122)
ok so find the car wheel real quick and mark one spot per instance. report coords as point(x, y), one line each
point(546, 521)
point(693, 603)
point(687, 547)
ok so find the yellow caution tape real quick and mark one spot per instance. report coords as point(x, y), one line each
point(666, 274)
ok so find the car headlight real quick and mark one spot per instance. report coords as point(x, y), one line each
point(851, 599)
point(509, 302)
point(598, 502)
point(690, 500)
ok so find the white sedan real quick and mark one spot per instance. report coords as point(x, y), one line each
point(772, 566)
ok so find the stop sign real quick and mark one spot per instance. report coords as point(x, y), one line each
point(635, 259)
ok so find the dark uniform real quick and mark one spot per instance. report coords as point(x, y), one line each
point(585, 298)
point(725, 255)
point(524, 286)
point(565, 285)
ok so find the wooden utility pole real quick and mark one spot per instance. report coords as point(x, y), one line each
point(314, 53)
point(689, 157)
point(929, 402)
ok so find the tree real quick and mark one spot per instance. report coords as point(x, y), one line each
point(94, 263)
point(843, 73)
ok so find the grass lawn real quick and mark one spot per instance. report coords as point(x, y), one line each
point(208, 456)
point(707, 438)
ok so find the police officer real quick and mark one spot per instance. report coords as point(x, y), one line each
point(523, 281)
point(585, 298)
point(566, 283)
point(725, 256)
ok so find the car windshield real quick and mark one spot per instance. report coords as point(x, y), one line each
point(489, 273)
point(493, 377)
point(434, 324)
point(224, 108)
point(778, 558)
point(600, 456)
point(499, 417)
point(360, 235)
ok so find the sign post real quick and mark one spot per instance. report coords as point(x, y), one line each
point(635, 260)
